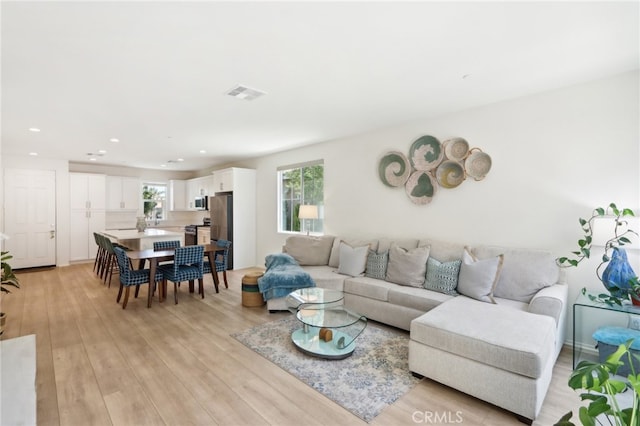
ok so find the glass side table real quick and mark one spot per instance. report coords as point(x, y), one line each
point(320, 310)
point(582, 307)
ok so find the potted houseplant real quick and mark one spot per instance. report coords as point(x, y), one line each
point(9, 279)
point(603, 390)
point(617, 276)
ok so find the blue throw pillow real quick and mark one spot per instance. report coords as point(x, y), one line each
point(377, 265)
point(442, 276)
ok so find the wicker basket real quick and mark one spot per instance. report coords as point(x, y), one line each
point(251, 296)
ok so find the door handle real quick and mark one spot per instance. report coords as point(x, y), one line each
point(52, 234)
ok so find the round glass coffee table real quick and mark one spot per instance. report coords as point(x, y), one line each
point(329, 330)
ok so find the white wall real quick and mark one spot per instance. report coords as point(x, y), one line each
point(556, 156)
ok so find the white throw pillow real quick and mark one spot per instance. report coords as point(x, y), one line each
point(353, 260)
point(407, 267)
point(478, 278)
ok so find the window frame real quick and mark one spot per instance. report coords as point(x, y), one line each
point(316, 226)
point(165, 199)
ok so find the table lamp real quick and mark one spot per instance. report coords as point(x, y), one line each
point(308, 212)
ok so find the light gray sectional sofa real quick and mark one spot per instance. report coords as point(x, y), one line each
point(488, 321)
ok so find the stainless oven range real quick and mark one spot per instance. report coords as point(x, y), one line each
point(190, 234)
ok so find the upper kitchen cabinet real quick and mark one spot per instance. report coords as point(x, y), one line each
point(199, 187)
point(223, 180)
point(123, 193)
point(178, 195)
point(87, 191)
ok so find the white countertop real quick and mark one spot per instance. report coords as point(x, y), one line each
point(132, 234)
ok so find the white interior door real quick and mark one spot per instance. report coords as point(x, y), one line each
point(30, 217)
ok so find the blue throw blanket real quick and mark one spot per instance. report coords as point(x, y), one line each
point(283, 275)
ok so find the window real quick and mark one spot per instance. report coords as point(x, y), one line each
point(154, 200)
point(298, 185)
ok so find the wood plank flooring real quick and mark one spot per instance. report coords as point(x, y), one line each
point(177, 364)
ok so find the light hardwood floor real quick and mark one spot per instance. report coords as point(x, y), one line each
point(177, 364)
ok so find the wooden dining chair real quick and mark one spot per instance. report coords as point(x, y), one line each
point(221, 262)
point(187, 266)
point(132, 277)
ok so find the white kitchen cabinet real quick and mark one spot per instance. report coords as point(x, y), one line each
point(87, 213)
point(223, 180)
point(123, 193)
point(178, 195)
point(86, 191)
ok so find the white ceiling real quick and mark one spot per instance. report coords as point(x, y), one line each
point(154, 74)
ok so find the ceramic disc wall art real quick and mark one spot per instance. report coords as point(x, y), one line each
point(456, 149)
point(431, 164)
point(394, 169)
point(426, 153)
point(421, 187)
point(450, 174)
point(477, 164)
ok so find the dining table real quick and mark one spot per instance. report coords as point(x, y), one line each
point(155, 257)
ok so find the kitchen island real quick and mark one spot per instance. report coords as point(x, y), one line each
point(135, 240)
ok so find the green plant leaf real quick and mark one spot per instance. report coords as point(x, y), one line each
point(600, 211)
point(598, 407)
point(582, 221)
point(585, 418)
point(564, 420)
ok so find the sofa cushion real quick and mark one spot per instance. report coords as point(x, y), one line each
point(416, 297)
point(326, 277)
point(334, 257)
point(368, 287)
point(384, 244)
point(443, 251)
point(308, 250)
point(442, 276)
point(478, 278)
point(505, 338)
point(377, 264)
point(353, 260)
point(524, 272)
point(407, 267)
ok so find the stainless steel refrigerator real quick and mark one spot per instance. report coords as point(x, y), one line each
point(221, 209)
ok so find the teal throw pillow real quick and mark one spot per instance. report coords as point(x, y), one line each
point(442, 276)
point(377, 265)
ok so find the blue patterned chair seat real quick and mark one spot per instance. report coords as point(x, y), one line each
point(132, 277)
point(187, 266)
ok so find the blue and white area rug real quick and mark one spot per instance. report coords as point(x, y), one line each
point(374, 377)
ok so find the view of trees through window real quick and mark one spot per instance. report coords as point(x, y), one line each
point(301, 185)
point(154, 198)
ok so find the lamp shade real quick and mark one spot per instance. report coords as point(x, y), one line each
point(308, 212)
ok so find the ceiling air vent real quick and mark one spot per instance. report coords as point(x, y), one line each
point(246, 93)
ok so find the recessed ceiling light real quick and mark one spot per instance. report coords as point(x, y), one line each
point(163, 165)
point(93, 159)
point(180, 160)
point(33, 154)
point(202, 151)
point(102, 151)
point(34, 129)
point(114, 140)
